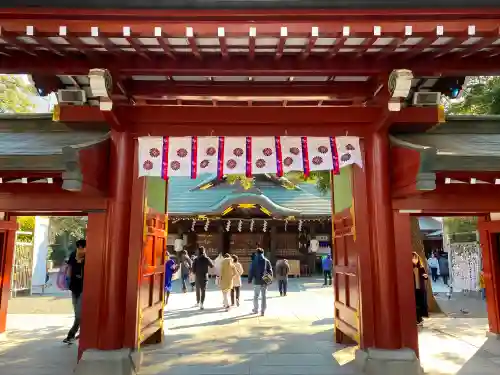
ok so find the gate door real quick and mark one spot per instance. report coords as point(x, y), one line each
point(345, 279)
point(151, 290)
point(345, 257)
point(489, 237)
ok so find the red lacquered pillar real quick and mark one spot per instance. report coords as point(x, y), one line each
point(384, 265)
point(104, 297)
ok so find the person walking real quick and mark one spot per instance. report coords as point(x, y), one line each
point(282, 271)
point(201, 265)
point(261, 274)
point(170, 269)
point(75, 274)
point(227, 272)
point(235, 292)
point(192, 277)
point(419, 279)
point(186, 265)
point(327, 264)
point(444, 268)
point(433, 266)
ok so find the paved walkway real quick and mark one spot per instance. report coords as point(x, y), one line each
point(295, 337)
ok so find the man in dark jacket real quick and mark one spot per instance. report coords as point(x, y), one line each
point(444, 267)
point(200, 269)
point(261, 273)
point(75, 272)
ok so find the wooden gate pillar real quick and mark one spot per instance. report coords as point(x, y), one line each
point(7, 247)
point(105, 285)
point(385, 275)
point(489, 237)
point(387, 322)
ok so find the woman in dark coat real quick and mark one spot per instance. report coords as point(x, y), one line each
point(419, 278)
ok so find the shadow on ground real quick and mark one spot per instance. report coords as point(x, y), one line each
point(36, 352)
point(247, 345)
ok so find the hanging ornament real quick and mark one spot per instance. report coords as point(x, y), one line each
point(286, 224)
point(193, 225)
point(240, 225)
point(300, 226)
point(228, 226)
point(207, 224)
point(252, 223)
point(264, 227)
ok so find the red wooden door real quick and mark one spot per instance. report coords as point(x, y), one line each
point(7, 244)
point(489, 236)
point(151, 290)
point(346, 285)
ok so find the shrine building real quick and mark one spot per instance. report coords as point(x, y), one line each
point(351, 87)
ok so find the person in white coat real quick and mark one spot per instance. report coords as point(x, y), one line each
point(235, 292)
point(433, 263)
point(217, 267)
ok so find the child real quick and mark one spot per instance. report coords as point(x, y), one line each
point(482, 285)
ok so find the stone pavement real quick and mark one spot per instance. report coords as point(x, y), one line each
point(295, 337)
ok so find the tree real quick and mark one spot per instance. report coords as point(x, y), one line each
point(480, 97)
point(65, 231)
point(15, 95)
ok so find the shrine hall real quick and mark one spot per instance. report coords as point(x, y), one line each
point(354, 88)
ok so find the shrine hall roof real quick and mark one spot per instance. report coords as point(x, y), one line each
point(186, 198)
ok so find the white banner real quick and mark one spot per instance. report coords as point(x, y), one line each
point(207, 154)
point(234, 156)
point(192, 156)
point(264, 158)
point(291, 151)
point(150, 156)
point(179, 156)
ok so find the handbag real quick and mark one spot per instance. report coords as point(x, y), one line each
point(267, 278)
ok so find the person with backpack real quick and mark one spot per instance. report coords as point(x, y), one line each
point(186, 265)
point(261, 274)
point(200, 269)
point(75, 272)
point(282, 271)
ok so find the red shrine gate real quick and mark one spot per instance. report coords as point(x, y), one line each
point(250, 73)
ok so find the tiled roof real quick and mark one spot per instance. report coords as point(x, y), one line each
point(46, 143)
point(183, 199)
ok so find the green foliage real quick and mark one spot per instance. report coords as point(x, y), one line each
point(480, 97)
point(15, 95)
point(321, 179)
point(461, 229)
point(65, 231)
point(74, 226)
point(26, 224)
point(245, 182)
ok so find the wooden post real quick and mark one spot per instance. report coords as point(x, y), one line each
point(104, 296)
point(405, 284)
point(385, 296)
point(488, 237)
point(7, 248)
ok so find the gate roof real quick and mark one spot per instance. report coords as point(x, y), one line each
point(246, 58)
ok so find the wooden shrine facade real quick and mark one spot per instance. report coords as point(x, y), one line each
point(254, 73)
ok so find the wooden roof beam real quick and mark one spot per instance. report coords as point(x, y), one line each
point(260, 66)
point(148, 89)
